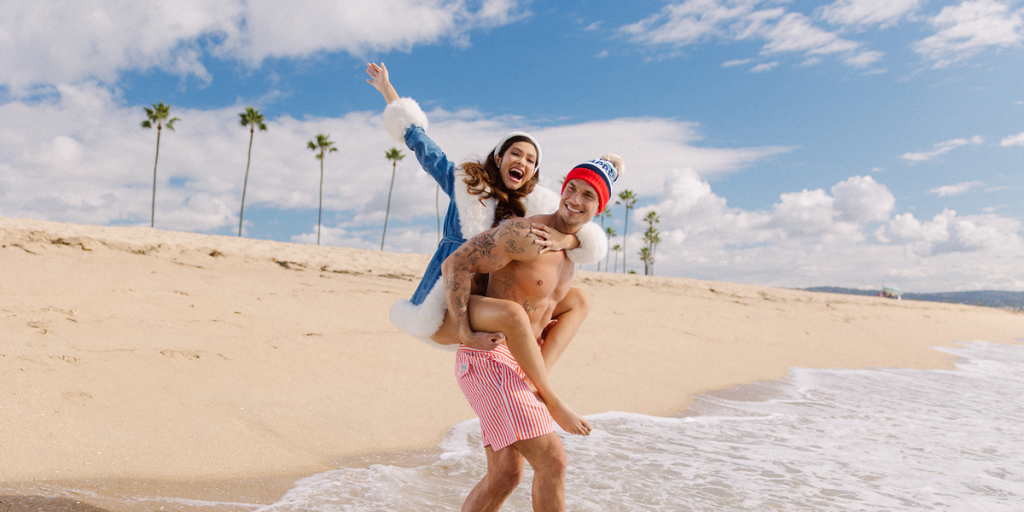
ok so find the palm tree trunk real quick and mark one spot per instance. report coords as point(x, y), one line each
point(320, 210)
point(387, 212)
point(246, 182)
point(152, 208)
point(625, 233)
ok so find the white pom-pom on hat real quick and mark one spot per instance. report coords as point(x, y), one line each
point(617, 161)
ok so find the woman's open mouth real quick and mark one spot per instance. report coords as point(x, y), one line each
point(516, 175)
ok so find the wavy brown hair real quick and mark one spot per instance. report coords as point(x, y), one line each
point(484, 180)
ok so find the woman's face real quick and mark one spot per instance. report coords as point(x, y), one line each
point(517, 165)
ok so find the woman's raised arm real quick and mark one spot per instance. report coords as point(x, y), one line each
point(379, 80)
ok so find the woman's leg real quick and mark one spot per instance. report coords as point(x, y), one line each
point(498, 315)
point(567, 319)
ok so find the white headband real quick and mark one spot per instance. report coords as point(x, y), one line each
point(533, 141)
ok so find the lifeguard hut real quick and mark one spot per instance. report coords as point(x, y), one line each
point(892, 293)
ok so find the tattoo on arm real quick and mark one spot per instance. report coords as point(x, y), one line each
point(478, 255)
point(512, 248)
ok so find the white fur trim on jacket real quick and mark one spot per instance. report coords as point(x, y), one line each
point(402, 113)
point(593, 245)
point(421, 322)
point(474, 217)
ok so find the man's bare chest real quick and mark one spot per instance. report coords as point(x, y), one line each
point(546, 278)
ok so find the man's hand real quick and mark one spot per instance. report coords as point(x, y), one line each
point(482, 340)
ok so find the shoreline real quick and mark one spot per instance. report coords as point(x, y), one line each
point(133, 356)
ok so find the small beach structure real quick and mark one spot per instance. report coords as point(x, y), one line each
point(892, 293)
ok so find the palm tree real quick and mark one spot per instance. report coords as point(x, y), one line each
point(158, 115)
point(645, 256)
point(322, 145)
point(394, 155)
point(253, 119)
point(616, 248)
point(607, 213)
point(610, 231)
point(652, 238)
point(627, 198)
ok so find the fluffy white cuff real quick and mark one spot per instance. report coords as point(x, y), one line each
point(593, 245)
point(541, 201)
point(422, 321)
point(400, 115)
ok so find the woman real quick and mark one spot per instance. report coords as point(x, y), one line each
point(483, 194)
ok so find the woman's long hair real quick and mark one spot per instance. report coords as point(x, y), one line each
point(484, 180)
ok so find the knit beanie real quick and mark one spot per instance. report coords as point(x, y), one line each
point(600, 174)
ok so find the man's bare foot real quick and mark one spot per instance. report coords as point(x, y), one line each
point(568, 419)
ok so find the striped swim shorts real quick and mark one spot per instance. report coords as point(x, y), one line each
point(495, 387)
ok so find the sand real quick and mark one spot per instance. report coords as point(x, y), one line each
point(139, 362)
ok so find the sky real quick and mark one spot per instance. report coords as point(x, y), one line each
point(856, 143)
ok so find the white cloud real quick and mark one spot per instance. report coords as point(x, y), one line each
point(735, 62)
point(99, 39)
point(304, 27)
point(795, 32)
point(954, 190)
point(967, 29)
point(814, 238)
point(948, 233)
point(80, 156)
point(66, 42)
point(1013, 140)
point(861, 13)
point(862, 199)
point(652, 146)
point(941, 148)
point(767, 66)
point(696, 21)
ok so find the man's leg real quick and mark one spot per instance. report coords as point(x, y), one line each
point(546, 456)
point(504, 471)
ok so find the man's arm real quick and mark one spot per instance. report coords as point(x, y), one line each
point(485, 253)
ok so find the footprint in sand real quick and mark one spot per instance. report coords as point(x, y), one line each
point(189, 355)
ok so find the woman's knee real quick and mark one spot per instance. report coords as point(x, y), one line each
point(577, 300)
point(510, 315)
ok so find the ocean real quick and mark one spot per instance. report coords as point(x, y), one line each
point(866, 440)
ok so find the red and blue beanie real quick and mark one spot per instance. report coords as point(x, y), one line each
point(600, 174)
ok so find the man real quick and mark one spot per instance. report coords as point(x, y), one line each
point(529, 285)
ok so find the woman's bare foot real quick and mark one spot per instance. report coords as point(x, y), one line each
point(568, 419)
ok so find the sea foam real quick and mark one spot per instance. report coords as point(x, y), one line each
point(871, 440)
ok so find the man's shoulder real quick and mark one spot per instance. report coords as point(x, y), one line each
point(516, 237)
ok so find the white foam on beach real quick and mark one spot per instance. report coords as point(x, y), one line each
point(878, 439)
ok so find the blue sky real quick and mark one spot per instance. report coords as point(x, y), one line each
point(850, 143)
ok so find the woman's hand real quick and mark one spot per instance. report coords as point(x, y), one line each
point(379, 80)
point(552, 240)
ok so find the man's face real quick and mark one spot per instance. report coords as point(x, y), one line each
point(579, 203)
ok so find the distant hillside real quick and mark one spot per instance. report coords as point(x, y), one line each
point(990, 298)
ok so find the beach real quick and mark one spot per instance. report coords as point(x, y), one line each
point(140, 362)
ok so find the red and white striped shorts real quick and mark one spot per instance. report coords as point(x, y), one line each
point(495, 387)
